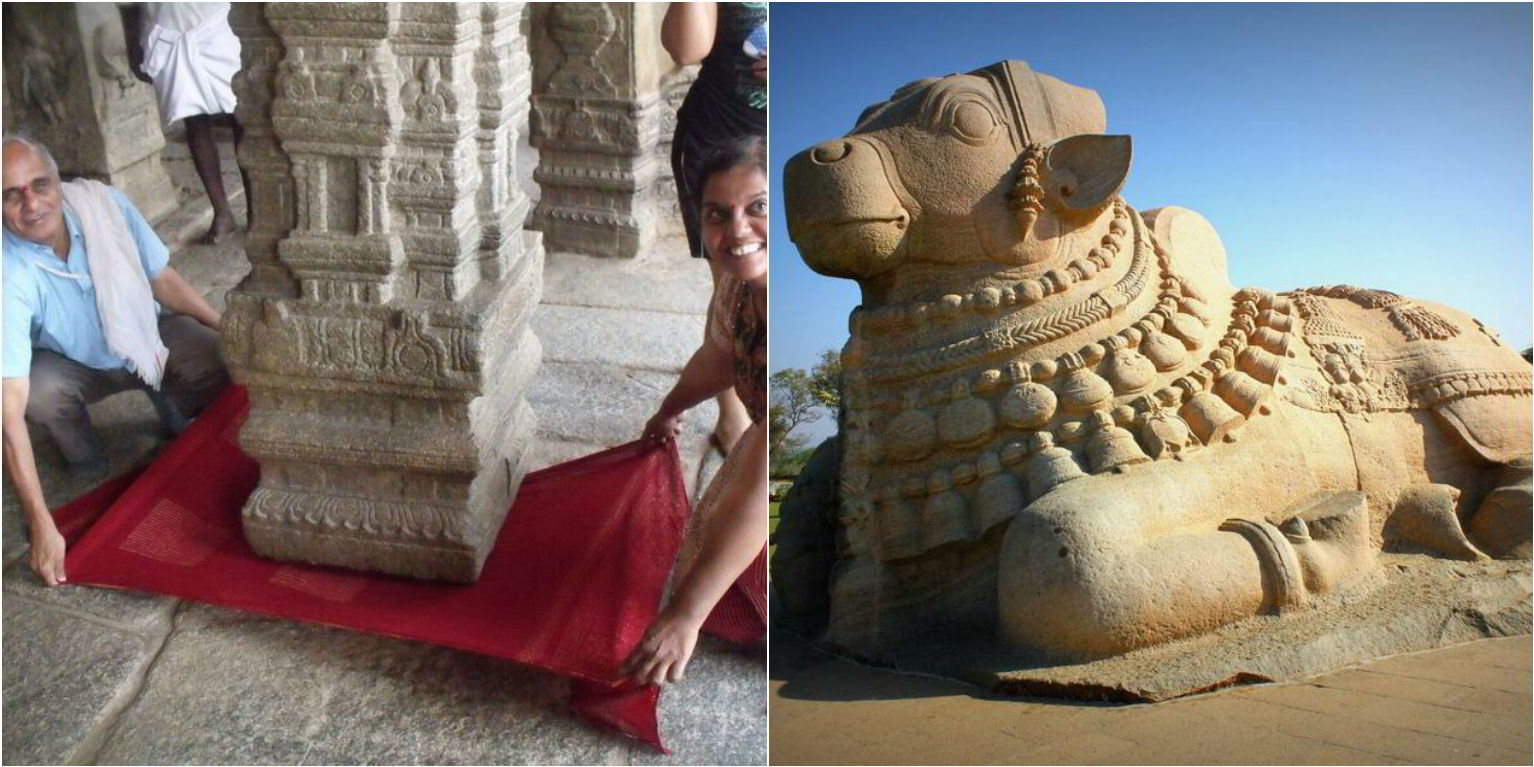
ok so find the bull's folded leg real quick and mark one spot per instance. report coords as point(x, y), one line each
point(1078, 598)
point(1080, 586)
point(1424, 516)
point(1502, 523)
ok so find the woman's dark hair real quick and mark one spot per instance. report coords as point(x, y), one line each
point(749, 149)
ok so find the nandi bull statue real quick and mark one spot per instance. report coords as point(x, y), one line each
point(1063, 427)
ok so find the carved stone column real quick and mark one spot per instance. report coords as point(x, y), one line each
point(673, 90)
point(385, 340)
point(596, 122)
point(67, 84)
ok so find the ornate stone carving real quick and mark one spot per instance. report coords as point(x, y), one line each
point(1043, 358)
point(382, 333)
point(598, 136)
point(67, 84)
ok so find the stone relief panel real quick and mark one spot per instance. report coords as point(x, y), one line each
point(68, 86)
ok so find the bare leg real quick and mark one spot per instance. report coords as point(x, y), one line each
point(239, 136)
point(733, 418)
point(199, 139)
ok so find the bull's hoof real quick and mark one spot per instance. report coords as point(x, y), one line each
point(1283, 575)
point(1330, 536)
point(1424, 516)
point(1502, 522)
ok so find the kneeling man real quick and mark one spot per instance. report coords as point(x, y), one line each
point(85, 279)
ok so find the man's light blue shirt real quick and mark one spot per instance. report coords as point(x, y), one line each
point(45, 309)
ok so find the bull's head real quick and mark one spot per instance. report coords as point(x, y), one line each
point(1000, 167)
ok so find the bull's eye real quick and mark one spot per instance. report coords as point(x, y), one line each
point(973, 122)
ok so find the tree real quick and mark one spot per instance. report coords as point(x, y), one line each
point(793, 404)
point(797, 397)
point(826, 380)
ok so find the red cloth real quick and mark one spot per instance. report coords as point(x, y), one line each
point(575, 578)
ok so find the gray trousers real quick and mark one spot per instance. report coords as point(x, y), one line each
point(61, 388)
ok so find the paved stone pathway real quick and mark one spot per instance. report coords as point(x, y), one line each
point(1466, 704)
point(97, 676)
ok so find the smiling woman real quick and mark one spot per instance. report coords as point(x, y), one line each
point(724, 559)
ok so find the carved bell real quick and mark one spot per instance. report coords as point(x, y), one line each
point(1164, 435)
point(999, 496)
point(1282, 323)
point(1129, 372)
point(1242, 392)
point(1027, 405)
point(944, 519)
point(1082, 390)
point(1272, 340)
point(911, 435)
point(1186, 327)
point(1050, 466)
point(1164, 351)
point(967, 421)
point(899, 528)
point(1111, 447)
point(1260, 363)
point(1210, 418)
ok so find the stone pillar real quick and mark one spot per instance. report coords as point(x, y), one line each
point(596, 123)
point(673, 90)
point(385, 338)
point(67, 84)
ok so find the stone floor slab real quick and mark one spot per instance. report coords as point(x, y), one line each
point(717, 714)
point(63, 675)
point(128, 609)
point(660, 341)
point(606, 405)
point(664, 280)
point(231, 687)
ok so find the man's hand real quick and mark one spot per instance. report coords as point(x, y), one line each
point(176, 294)
point(48, 556)
point(21, 467)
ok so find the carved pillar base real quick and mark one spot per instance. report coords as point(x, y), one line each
point(596, 198)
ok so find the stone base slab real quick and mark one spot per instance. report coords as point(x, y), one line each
point(1422, 603)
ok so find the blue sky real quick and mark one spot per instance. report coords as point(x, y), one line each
point(1382, 145)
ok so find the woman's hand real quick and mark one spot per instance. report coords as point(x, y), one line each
point(662, 426)
point(662, 655)
point(759, 68)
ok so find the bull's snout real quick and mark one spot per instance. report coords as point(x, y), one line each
point(842, 211)
point(830, 152)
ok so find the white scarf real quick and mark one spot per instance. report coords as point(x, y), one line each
point(123, 297)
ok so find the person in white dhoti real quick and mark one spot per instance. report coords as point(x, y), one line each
point(190, 55)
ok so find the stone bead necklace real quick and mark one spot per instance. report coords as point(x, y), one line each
point(916, 315)
point(1104, 390)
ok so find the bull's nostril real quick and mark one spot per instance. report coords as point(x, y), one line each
point(830, 152)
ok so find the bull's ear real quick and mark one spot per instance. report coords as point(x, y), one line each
point(1084, 173)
